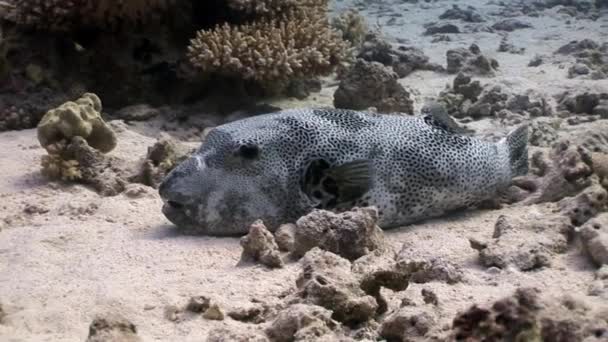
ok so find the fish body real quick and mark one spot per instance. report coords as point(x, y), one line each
point(280, 166)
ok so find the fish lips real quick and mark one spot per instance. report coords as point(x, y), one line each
point(180, 216)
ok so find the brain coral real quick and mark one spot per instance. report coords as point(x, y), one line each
point(299, 42)
point(68, 14)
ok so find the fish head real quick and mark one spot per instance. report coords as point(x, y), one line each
point(243, 171)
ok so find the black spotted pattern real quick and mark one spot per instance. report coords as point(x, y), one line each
point(420, 167)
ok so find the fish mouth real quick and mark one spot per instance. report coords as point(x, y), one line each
point(177, 214)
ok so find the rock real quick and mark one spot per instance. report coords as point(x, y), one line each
point(505, 46)
point(575, 46)
point(585, 205)
point(427, 268)
point(525, 317)
point(138, 112)
point(470, 61)
point(544, 131)
point(285, 237)
point(600, 167)
point(563, 172)
point(232, 335)
point(464, 85)
point(301, 322)
point(407, 324)
point(2, 314)
point(350, 234)
point(214, 313)
point(326, 280)
point(582, 103)
point(525, 244)
point(302, 88)
point(380, 269)
point(249, 314)
point(441, 29)
point(112, 328)
point(198, 304)
point(370, 84)
point(511, 25)
point(601, 109)
point(429, 297)
point(578, 69)
point(509, 319)
point(468, 14)
point(161, 158)
point(536, 61)
point(106, 174)
point(594, 236)
point(173, 313)
point(259, 245)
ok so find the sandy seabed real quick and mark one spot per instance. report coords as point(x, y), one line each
point(68, 254)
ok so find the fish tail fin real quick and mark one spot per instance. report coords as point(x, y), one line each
point(517, 145)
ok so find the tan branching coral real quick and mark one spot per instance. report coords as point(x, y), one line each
point(68, 14)
point(352, 25)
point(299, 43)
point(273, 6)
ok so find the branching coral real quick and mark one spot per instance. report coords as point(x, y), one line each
point(68, 14)
point(353, 27)
point(273, 6)
point(296, 44)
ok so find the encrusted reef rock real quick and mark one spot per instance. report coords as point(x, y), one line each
point(585, 205)
point(371, 84)
point(81, 118)
point(259, 245)
point(583, 102)
point(162, 157)
point(112, 328)
point(404, 59)
point(590, 58)
point(408, 324)
point(594, 235)
point(525, 316)
point(509, 319)
point(563, 172)
point(468, 14)
point(381, 270)
point(469, 98)
point(327, 280)
point(302, 322)
point(470, 61)
point(428, 267)
point(351, 234)
point(525, 244)
point(511, 25)
point(544, 131)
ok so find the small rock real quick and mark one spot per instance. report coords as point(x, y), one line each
point(468, 14)
point(198, 304)
point(442, 29)
point(285, 237)
point(300, 321)
point(112, 328)
point(249, 314)
point(326, 280)
point(536, 61)
point(594, 236)
point(259, 245)
point(214, 313)
point(511, 25)
point(430, 297)
point(350, 234)
point(408, 323)
point(371, 84)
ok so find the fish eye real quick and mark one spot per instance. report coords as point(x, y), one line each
point(249, 151)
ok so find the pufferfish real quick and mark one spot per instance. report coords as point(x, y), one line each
point(280, 166)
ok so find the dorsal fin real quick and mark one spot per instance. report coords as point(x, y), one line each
point(435, 114)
